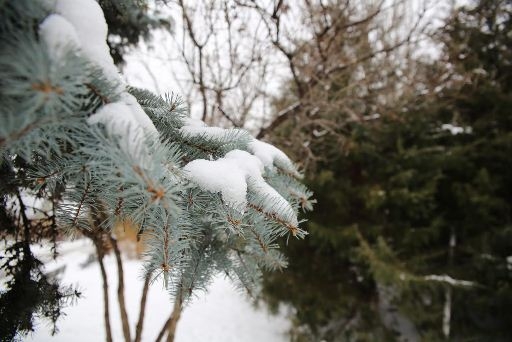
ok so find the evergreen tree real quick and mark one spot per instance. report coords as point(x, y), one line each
point(130, 21)
point(96, 151)
point(415, 215)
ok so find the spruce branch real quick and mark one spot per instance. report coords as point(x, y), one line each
point(104, 99)
point(294, 230)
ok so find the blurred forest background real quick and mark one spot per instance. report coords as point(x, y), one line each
point(398, 112)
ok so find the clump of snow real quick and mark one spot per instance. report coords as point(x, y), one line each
point(87, 18)
point(127, 120)
point(220, 176)
point(197, 131)
point(122, 119)
point(268, 154)
point(454, 130)
point(194, 122)
point(81, 23)
point(197, 128)
point(251, 165)
point(138, 113)
point(58, 34)
point(233, 176)
point(226, 175)
point(271, 156)
point(273, 202)
point(449, 280)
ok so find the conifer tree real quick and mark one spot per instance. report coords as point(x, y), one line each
point(415, 215)
point(96, 152)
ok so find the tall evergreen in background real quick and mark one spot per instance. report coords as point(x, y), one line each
point(413, 233)
point(81, 151)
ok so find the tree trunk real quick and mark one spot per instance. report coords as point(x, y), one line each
point(447, 310)
point(175, 316)
point(140, 322)
point(172, 321)
point(100, 254)
point(120, 290)
point(163, 330)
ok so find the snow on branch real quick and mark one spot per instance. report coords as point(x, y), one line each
point(80, 24)
point(271, 156)
point(147, 162)
point(449, 280)
point(233, 176)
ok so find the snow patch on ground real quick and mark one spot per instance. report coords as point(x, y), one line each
point(223, 314)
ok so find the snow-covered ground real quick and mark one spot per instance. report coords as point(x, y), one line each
point(223, 314)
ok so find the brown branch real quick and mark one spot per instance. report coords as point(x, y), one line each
point(175, 316)
point(239, 254)
point(97, 236)
point(286, 113)
point(260, 241)
point(281, 117)
point(273, 216)
point(96, 92)
point(171, 323)
point(165, 266)
point(120, 290)
point(26, 226)
point(106, 315)
point(81, 204)
point(237, 125)
point(199, 46)
point(142, 309)
point(163, 330)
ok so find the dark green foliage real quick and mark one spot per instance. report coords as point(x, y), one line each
point(130, 21)
point(405, 198)
point(31, 293)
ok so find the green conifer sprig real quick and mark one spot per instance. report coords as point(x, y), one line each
point(89, 148)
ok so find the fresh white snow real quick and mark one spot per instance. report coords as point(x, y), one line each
point(81, 23)
point(233, 175)
point(454, 130)
point(194, 122)
point(220, 175)
point(87, 18)
point(228, 175)
point(271, 156)
point(206, 131)
point(127, 120)
point(58, 35)
point(138, 114)
point(222, 314)
point(267, 153)
point(449, 280)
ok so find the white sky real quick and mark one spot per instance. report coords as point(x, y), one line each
point(160, 70)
